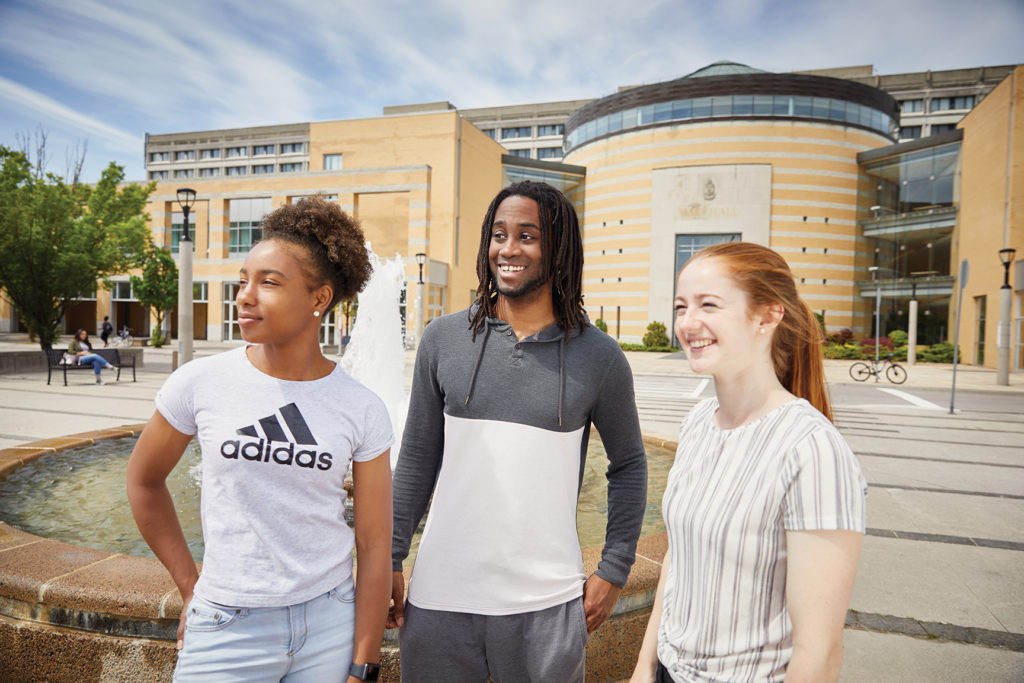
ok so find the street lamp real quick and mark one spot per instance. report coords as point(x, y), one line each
point(878, 311)
point(421, 305)
point(186, 199)
point(1005, 310)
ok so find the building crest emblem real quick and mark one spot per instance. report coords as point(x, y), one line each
point(709, 190)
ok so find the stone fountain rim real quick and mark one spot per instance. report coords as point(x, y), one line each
point(64, 585)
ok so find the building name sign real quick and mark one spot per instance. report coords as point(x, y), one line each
point(706, 211)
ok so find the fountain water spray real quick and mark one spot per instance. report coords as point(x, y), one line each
point(375, 356)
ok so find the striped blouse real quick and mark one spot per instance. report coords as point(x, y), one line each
point(730, 498)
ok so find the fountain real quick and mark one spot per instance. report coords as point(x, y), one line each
point(69, 613)
point(375, 356)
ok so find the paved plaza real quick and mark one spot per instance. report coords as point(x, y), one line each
point(940, 588)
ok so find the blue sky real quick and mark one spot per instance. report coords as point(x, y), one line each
point(107, 72)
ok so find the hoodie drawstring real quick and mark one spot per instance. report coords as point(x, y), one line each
point(479, 359)
point(561, 375)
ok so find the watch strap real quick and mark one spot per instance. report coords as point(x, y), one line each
point(364, 672)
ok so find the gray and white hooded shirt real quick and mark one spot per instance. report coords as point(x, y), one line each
point(497, 430)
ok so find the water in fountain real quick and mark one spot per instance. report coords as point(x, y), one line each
point(375, 355)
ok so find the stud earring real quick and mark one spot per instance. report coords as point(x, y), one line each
point(316, 314)
point(762, 330)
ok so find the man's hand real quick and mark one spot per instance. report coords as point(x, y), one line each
point(396, 613)
point(599, 597)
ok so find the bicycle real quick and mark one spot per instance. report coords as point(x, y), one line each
point(860, 371)
point(124, 337)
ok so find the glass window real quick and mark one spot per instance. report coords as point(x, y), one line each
point(160, 156)
point(209, 154)
point(158, 175)
point(332, 162)
point(292, 168)
point(293, 148)
point(701, 107)
point(782, 105)
point(262, 150)
point(524, 153)
point(184, 173)
point(721, 105)
point(122, 291)
point(682, 109)
point(236, 152)
point(911, 106)
point(489, 132)
point(836, 110)
point(662, 112)
point(554, 129)
point(644, 115)
point(209, 172)
point(549, 152)
point(910, 132)
point(516, 132)
point(244, 222)
point(186, 155)
point(951, 103)
point(819, 107)
point(942, 127)
point(615, 121)
point(742, 105)
point(802, 105)
point(261, 169)
point(200, 291)
point(235, 170)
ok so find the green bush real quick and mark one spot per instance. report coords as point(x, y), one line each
point(640, 347)
point(899, 337)
point(656, 335)
point(936, 353)
point(843, 352)
point(601, 325)
point(156, 340)
point(900, 354)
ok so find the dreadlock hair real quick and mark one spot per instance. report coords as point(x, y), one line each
point(561, 256)
point(796, 344)
point(333, 240)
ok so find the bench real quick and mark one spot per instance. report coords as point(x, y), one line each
point(112, 356)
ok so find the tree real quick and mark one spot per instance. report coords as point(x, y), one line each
point(157, 289)
point(58, 240)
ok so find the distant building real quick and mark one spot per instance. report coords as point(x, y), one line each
point(862, 182)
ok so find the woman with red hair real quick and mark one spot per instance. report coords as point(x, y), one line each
point(765, 504)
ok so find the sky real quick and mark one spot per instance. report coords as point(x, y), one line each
point(101, 74)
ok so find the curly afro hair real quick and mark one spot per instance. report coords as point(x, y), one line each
point(333, 239)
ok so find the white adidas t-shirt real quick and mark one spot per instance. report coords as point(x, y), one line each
point(275, 454)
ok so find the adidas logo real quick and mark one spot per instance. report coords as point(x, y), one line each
point(263, 449)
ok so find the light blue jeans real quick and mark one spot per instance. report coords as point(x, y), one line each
point(309, 642)
point(97, 361)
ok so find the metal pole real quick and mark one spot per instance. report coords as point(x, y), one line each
point(185, 331)
point(1003, 336)
point(912, 334)
point(956, 337)
point(421, 307)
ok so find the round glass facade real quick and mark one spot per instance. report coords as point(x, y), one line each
point(734, 107)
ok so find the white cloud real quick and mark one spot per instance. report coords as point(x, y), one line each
point(49, 109)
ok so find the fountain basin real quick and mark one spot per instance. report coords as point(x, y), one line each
point(71, 614)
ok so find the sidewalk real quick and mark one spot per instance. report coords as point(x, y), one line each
point(940, 588)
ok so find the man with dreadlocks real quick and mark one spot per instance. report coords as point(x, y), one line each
point(503, 398)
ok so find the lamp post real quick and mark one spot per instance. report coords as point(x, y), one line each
point(878, 310)
point(1005, 310)
point(186, 198)
point(421, 304)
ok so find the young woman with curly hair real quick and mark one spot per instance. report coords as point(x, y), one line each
point(765, 503)
point(278, 425)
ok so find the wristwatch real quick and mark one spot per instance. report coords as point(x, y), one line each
point(364, 672)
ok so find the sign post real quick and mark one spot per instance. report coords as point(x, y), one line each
point(956, 338)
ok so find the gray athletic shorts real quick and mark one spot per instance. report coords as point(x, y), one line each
point(454, 647)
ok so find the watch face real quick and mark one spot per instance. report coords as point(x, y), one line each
point(365, 672)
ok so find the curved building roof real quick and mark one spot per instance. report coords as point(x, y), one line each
point(728, 90)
